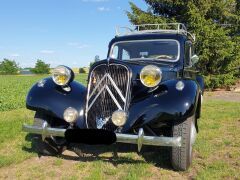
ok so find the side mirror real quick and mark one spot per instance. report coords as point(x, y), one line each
point(194, 59)
point(97, 58)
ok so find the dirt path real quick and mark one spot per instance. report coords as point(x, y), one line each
point(223, 95)
point(71, 166)
point(41, 168)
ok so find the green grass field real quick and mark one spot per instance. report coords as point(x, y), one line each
point(216, 152)
point(14, 89)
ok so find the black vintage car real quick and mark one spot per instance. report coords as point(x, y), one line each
point(147, 92)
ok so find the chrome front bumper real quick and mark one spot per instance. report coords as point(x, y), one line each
point(139, 139)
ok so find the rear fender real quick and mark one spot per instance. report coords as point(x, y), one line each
point(47, 97)
point(166, 105)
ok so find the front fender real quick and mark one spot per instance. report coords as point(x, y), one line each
point(47, 97)
point(165, 104)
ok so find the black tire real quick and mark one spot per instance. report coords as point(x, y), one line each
point(50, 146)
point(182, 156)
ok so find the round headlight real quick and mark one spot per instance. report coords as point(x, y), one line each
point(61, 75)
point(151, 76)
point(70, 115)
point(119, 117)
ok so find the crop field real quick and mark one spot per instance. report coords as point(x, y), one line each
point(216, 152)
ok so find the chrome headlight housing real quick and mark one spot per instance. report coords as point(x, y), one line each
point(151, 76)
point(62, 75)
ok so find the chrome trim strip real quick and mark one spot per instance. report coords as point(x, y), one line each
point(44, 130)
point(128, 94)
point(97, 86)
point(95, 98)
point(87, 99)
point(149, 140)
point(113, 83)
point(117, 89)
point(149, 40)
point(114, 99)
point(139, 139)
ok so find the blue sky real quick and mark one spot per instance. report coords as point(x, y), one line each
point(69, 32)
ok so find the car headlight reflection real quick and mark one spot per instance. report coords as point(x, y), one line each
point(61, 75)
point(151, 76)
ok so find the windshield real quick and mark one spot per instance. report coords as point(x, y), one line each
point(162, 50)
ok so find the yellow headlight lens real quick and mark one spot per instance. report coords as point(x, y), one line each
point(151, 76)
point(61, 75)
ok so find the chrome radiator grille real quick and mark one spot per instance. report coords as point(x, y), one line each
point(108, 91)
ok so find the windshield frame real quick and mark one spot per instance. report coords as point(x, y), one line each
point(148, 40)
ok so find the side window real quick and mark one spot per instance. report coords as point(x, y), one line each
point(125, 55)
point(120, 53)
point(115, 53)
point(188, 54)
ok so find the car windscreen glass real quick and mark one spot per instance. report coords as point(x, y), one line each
point(162, 50)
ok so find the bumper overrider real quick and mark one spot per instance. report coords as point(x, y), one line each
point(100, 136)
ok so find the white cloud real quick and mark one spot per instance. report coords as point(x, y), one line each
point(78, 45)
point(73, 44)
point(15, 55)
point(74, 63)
point(97, 1)
point(82, 46)
point(47, 51)
point(102, 9)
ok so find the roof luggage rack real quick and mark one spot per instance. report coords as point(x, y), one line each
point(177, 28)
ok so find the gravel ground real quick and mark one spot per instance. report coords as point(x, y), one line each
point(223, 95)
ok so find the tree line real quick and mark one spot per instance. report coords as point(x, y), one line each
point(11, 67)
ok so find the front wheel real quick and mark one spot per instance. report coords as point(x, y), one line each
point(182, 156)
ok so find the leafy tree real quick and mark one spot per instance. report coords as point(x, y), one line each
point(8, 67)
point(91, 63)
point(82, 70)
point(216, 24)
point(41, 67)
point(97, 58)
